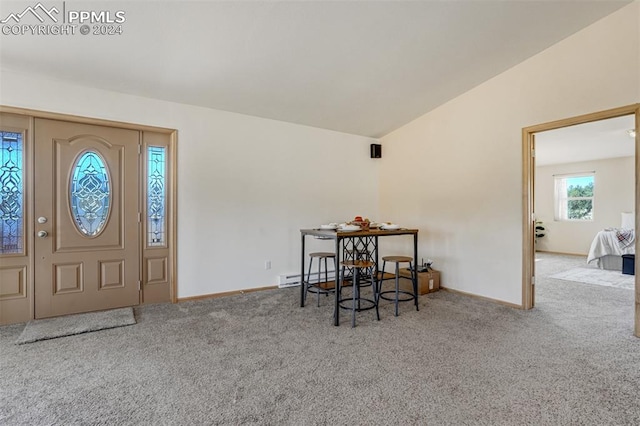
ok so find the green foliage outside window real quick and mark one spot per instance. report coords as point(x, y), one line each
point(578, 205)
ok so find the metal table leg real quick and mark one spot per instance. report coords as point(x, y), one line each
point(302, 286)
point(376, 270)
point(415, 266)
point(338, 282)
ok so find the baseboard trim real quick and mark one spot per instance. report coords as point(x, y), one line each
point(475, 296)
point(272, 287)
point(225, 293)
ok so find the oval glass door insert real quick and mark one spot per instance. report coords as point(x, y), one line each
point(90, 193)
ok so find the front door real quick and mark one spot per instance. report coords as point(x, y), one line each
point(87, 223)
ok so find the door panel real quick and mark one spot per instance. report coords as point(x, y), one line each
point(16, 294)
point(87, 218)
point(156, 269)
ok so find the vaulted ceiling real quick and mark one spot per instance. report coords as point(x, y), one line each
point(361, 67)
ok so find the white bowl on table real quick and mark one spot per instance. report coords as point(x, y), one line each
point(389, 226)
point(348, 228)
point(329, 226)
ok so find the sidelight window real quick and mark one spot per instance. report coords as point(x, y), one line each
point(156, 196)
point(11, 193)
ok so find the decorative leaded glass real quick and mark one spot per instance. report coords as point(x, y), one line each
point(90, 191)
point(156, 196)
point(11, 193)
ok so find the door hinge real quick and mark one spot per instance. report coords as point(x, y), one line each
point(139, 149)
point(139, 284)
point(533, 153)
point(533, 280)
point(139, 217)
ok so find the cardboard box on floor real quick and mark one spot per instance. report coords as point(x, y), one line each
point(428, 282)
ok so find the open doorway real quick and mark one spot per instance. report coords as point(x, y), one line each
point(580, 213)
point(584, 202)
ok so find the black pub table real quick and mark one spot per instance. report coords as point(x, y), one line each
point(347, 244)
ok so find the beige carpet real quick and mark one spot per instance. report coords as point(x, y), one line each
point(259, 359)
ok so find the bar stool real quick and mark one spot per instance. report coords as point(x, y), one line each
point(356, 298)
point(316, 288)
point(397, 292)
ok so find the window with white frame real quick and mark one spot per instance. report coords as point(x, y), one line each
point(574, 196)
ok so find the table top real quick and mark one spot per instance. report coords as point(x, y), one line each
point(330, 233)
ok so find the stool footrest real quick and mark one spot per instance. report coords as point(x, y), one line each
point(313, 288)
point(370, 304)
point(390, 277)
point(410, 295)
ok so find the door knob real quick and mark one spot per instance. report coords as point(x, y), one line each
point(42, 234)
point(42, 219)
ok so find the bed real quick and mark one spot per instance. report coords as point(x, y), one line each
point(610, 244)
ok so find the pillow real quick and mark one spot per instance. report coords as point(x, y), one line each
point(628, 220)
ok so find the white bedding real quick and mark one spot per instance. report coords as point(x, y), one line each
point(615, 242)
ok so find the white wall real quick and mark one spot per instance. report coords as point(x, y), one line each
point(456, 172)
point(614, 193)
point(246, 185)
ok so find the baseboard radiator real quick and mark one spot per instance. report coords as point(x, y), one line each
point(293, 280)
